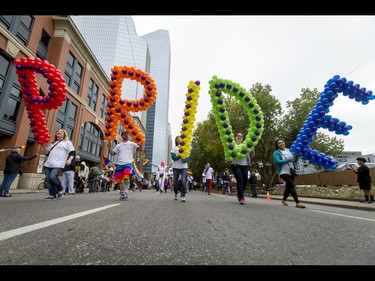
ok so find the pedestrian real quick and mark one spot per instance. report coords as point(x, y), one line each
point(83, 175)
point(253, 184)
point(12, 169)
point(67, 180)
point(284, 160)
point(240, 169)
point(180, 166)
point(209, 172)
point(125, 152)
point(162, 172)
point(60, 153)
point(364, 179)
point(204, 180)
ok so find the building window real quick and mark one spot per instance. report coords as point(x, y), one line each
point(91, 141)
point(66, 117)
point(43, 45)
point(4, 67)
point(13, 104)
point(73, 73)
point(103, 107)
point(10, 91)
point(92, 97)
point(20, 26)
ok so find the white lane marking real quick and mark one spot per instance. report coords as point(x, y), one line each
point(22, 230)
point(340, 215)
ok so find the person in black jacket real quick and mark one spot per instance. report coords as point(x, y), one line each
point(253, 184)
point(12, 169)
point(364, 180)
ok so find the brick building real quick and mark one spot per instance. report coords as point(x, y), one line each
point(57, 40)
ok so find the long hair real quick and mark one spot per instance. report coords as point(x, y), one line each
point(66, 137)
point(176, 140)
point(276, 141)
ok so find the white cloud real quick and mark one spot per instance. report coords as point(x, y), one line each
point(287, 52)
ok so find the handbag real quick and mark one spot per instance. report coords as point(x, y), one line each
point(293, 171)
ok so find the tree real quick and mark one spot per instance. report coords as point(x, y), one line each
point(272, 112)
point(293, 121)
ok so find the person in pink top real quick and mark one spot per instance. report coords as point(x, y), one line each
point(162, 169)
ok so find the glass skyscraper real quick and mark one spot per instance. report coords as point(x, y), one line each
point(114, 41)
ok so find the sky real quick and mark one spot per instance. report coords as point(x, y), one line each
point(288, 53)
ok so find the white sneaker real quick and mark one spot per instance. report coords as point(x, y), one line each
point(183, 199)
point(175, 196)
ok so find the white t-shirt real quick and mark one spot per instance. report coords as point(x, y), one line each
point(125, 151)
point(209, 173)
point(178, 164)
point(59, 154)
point(286, 167)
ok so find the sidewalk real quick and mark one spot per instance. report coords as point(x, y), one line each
point(327, 202)
point(305, 200)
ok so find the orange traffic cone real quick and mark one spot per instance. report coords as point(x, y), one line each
point(268, 197)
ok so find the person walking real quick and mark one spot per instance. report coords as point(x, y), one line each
point(162, 172)
point(283, 160)
point(240, 169)
point(12, 169)
point(125, 152)
point(60, 153)
point(364, 179)
point(67, 180)
point(204, 180)
point(180, 166)
point(253, 184)
point(209, 172)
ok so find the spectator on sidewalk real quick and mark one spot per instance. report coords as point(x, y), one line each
point(12, 169)
point(253, 184)
point(364, 179)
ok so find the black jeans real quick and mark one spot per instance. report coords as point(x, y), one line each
point(240, 173)
point(290, 187)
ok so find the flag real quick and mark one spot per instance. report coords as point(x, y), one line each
point(190, 172)
point(136, 171)
point(20, 146)
point(145, 162)
point(105, 161)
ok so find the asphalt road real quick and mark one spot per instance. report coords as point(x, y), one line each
point(154, 229)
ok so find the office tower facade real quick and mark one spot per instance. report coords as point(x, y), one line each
point(114, 41)
point(157, 129)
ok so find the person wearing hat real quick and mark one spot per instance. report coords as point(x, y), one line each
point(12, 169)
point(364, 180)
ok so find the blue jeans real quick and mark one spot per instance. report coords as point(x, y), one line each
point(7, 182)
point(52, 180)
point(176, 174)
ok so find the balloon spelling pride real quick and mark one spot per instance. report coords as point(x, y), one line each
point(34, 103)
point(188, 119)
point(118, 109)
point(217, 89)
point(318, 118)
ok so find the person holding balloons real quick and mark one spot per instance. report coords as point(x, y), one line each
point(283, 158)
point(179, 170)
point(240, 171)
